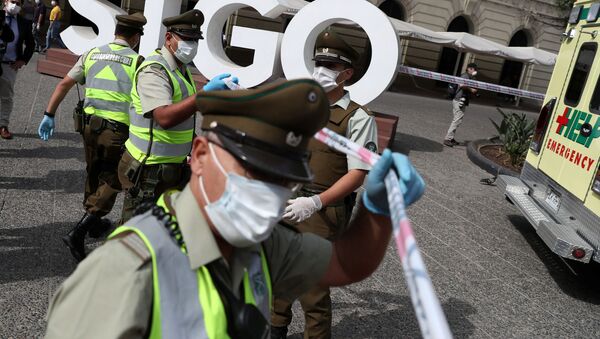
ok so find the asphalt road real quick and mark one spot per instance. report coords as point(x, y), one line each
point(493, 275)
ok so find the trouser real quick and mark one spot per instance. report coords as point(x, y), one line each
point(7, 92)
point(36, 37)
point(330, 222)
point(459, 114)
point(146, 183)
point(103, 144)
point(52, 34)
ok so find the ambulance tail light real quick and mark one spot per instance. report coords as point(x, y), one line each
point(541, 126)
point(596, 183)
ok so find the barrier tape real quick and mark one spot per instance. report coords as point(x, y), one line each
point(428, 310)
point(431, 318)
point(471, 83)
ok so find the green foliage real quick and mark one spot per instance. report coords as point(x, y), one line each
point(515, 134)
point(564, 4)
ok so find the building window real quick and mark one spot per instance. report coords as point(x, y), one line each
point(393, 9)
point(580, 73)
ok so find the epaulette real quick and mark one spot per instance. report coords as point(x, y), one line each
point(136, 245)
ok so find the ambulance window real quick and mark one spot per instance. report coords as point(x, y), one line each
point(580, 73)
point(595, 103)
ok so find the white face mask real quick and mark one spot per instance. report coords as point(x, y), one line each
point(474, 73)
point(13, 9)
point(53, 3)
point(247, 211)
point(186, 51)
point(326, 77)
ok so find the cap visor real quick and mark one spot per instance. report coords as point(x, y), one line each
point(269, 163)
point(330, 59)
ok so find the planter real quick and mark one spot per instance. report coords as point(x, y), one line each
point(474, 152)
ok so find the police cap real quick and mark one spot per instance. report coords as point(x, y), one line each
point(330, 47)
point(136, 20)
point(268, 128)
point(186, 25)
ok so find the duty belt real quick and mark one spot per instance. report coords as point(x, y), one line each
point(115, 126)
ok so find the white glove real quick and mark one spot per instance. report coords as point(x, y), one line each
point(302, 208)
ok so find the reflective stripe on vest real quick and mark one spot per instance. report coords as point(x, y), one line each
point(109, 71)
point(186, 304)
point(170, 145)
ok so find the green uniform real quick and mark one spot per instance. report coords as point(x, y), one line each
point(357, 124)
point(155, 158)
point(107, 71)
point(112, 291)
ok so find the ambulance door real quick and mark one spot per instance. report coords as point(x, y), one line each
point(566, 156)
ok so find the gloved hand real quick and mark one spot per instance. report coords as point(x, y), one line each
point(412, 185)
point(217, 83)
point(46, 128)
point(302, 208)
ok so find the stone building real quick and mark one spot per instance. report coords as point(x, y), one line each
point(536, 23)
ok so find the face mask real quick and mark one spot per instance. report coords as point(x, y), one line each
point(186, 51)
point(53, 3)
point(13, 9)
point(474, 73)
point(247, 211)
point(326, 78)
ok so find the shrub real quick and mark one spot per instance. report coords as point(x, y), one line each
point(515, 133)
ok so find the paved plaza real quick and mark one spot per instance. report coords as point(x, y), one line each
point(493, 275)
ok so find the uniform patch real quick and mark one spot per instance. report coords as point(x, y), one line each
point(293, 140)
point(127, 61)
point(371, 146)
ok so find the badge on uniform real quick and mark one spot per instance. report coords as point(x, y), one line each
point(371, 146)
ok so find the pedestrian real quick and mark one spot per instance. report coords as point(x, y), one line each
point(459, 104)
point(204, 262)
point(39, 19)
point(104, 122)
point(17, 54)
point(324, 206)
point(6, 36)
point(163, 115)
point(54, 27)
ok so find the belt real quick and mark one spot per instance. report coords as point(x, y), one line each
point(115, 126)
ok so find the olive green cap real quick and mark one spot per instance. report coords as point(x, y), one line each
point(330, 47)
point(136, 20)
point(186, 25)
point(268, 128)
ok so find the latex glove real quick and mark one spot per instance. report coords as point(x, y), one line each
point(302, 208)
point(217, 83)
point(46, 128)
point(412, 185)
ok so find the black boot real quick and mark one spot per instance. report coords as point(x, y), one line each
point(101, 229)
point(279, 332)
point(75, 239)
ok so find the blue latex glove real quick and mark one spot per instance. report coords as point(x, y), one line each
point(46, 128)
point(411, 183)
point(217, 83)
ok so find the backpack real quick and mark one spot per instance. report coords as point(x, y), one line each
point(451, 91)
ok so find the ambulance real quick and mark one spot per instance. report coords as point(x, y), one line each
point(559, 187)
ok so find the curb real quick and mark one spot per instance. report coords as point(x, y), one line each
point(485, 163)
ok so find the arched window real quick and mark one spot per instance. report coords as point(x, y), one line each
point(512, 71)
point(451, 61)
point(393, 9)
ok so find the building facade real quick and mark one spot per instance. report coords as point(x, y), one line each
point(535, 23)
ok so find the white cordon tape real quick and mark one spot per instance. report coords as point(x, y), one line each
point(428, 310)
point(471, 83)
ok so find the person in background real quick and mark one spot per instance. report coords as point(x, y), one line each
point(39, 19)
point(459, 104)
point(18, 53)
point(54, 28)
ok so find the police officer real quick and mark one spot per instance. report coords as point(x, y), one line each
point(324, 207)
point(205, 262)
point(107, 71)
point(163, 115)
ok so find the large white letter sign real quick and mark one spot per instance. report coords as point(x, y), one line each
point(212, 60)
point(297, 47)
point(154, 31)
point(79, 39)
